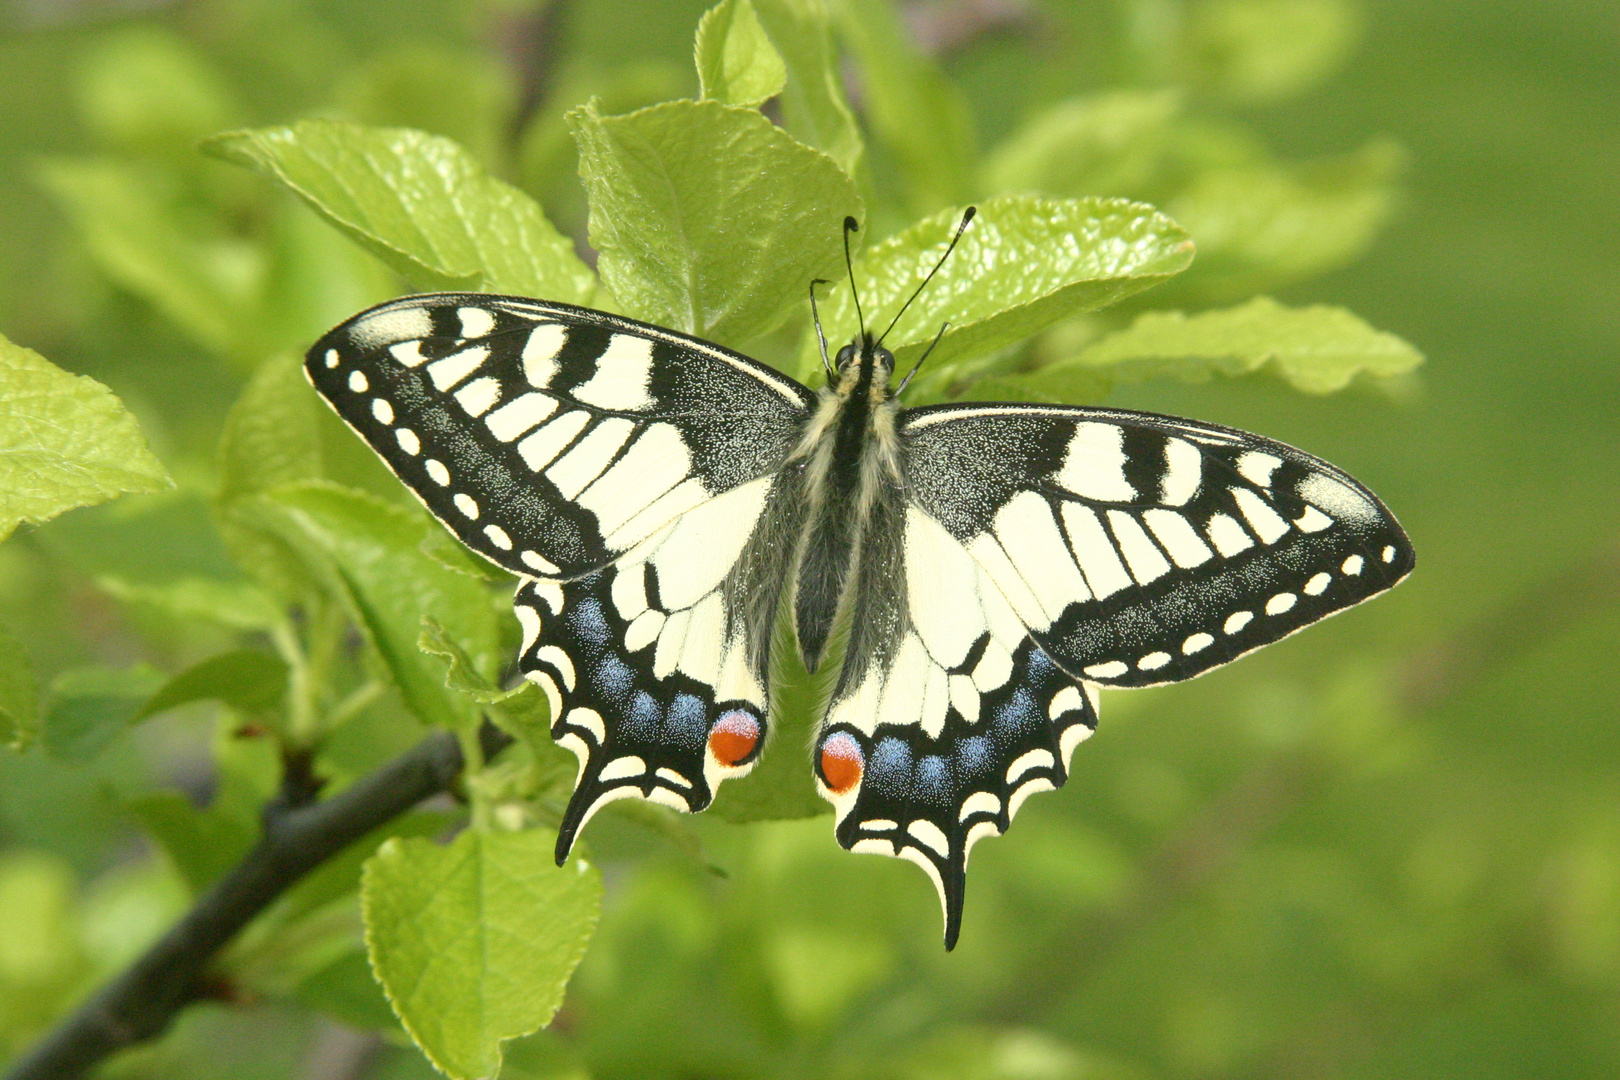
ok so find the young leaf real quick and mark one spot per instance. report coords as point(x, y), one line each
point(708, 218)
point(1258, 51)
point(91, 706)
point(813, 107)
point(1316, 349)
point(1101, 144)
point(736, 63)
point(371, 554)
point(19, 697)
point(910, 105)
point(1023, 264)
point(1262, 226)
point(418, 202)
point(247, 680)
point(65, 441)
point(235, 605)
point(474, 942)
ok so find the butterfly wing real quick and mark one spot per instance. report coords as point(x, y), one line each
point(627, 473)
point(1038, 553)
point(1142, 549)
point(549, 438)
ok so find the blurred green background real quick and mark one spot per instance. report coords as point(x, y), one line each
point(1389, 847)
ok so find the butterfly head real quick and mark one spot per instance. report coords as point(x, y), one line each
point(863, 353)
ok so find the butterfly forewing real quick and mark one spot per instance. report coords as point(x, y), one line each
point(1142, 549)
point(550, 438)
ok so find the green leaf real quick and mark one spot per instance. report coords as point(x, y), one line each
point(271, 437)
point(1257, 51)
point(1110, 143)
point(461, 94)
point(202, 843)
point(1262, 226)
point(1316, 349)
point(474, 942)
point(247, 680)
point(209, 288)
point(708, 218)
point(371, 554)
point(813, 107)
point(19, 695)
point(736, 63)
point(65, 441)
point(90, 706)
point(420, 203)
point(917, 113)
point(235, 605)
point(1022, 265)
point(346, 990)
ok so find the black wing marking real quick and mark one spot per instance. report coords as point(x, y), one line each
point(947, 715)
point(656, 667)
point(1142, 549)
point(551, 438)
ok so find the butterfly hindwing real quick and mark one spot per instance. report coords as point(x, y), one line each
point(1142, 549)
point(551, 438)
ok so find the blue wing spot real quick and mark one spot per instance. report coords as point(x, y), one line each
point(588, 623)
point(688, 720)
point(641, 719)
point(891, 762)
point(973, 756)
point(934, 780)
point(1017, 715)
point(614, 678)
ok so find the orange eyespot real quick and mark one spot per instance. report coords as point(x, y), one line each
point(733, 737)
point(841, 763)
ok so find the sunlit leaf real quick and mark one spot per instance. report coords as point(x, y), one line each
point(707, 217)
point(736, 62)
point(474, 942)
point(420, 203)
point(814, 109)
point(65, 441)
point(1111, 143)
point(1317, 349)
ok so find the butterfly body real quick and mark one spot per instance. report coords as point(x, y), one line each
point(983, 568)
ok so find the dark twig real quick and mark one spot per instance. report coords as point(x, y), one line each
point(299, 835)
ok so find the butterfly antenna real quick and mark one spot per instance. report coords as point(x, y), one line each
point(903, 382)
point(966, 217)
point(821, 338)
point(851, 225)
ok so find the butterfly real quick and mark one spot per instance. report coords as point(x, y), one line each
point(975, 572)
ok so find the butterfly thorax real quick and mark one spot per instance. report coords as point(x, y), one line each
point(851, 468)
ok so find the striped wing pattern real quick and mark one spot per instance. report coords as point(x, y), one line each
point(639, 483)
point(551, 439)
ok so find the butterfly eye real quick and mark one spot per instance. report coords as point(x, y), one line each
point(734, 738)
point(841, 762)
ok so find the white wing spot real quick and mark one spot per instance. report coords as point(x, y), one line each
point(1339, 500)
point(383, 411)
point(549, 593)
point(1197, 643)
point(1353, 565)
point(1312, 520)
point(479, 396)
point(583, 463)
point(548, 441)
point(619, 768)
point(591, 721)
point(332, 359)
point(1269, 525)
point(965, 696)
point(1389, 554)
point(408, 441)
point(452, 369)
point(1113, 669)
point(1095, 552)
point(673, 777)
point(1153, 661)
point(383, 328)
point(437, 472)
point(1183, 472)
point(534, 561)
point(553, 655)
point(927, 833)
point(1065, 700)
point(1282, 602)
point(643, 630)
point(1141, 554)
point(622, 374)
point(408, 353)
point(1237, 621)
point(475, 322)
point(1257, 468)
point(1094, 467)
point(980, 802)
point(540, 353)
point(1028, 762)
point(358, 382)
point(519, 415)
point(1318, 584)
point(1178, 537)
point(498, 537)
point(466, 505)
point(1227, 535)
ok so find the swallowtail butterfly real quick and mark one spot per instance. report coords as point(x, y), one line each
point(663, 498)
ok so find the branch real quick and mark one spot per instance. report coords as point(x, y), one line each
point(298, 836)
